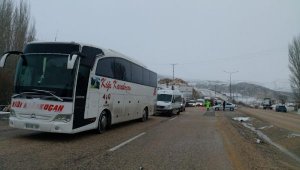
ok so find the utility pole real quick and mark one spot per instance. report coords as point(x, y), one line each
point(215, 90)
point(173, 65)
point(230, 73)
point(56, 35)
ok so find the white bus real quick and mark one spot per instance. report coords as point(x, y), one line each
point(72, 87)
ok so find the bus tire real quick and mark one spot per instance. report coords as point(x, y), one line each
point(145, 115)
point(102, 122)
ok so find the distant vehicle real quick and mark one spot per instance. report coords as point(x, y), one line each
point(191, 103)
point(71, 87)
point(267, 103)
point(169, 101)
point(274, 106)
point(200, 102)
point(228, 106)
point(280, 108)
point(290, 104)
point(217, 102)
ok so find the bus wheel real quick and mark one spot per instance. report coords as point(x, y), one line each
point(102, 123)
point(144, 116)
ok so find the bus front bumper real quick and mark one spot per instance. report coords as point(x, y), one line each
point(38, 125)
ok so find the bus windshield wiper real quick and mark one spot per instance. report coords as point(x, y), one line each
point(48, 92)
point(36, 92)
point(24, 94)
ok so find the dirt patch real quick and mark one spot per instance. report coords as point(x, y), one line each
point(244, 152)
point(291, 143)
point(282, 131)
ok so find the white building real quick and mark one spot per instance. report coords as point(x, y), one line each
point(186, 90)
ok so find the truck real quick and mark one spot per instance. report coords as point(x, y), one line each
point(267, 103)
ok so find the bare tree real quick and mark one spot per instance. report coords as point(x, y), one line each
point(16, 29)
point(195, 94)
point(6, 19)
point(294, 66)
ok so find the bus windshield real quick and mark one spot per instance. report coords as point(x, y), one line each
point(45, 72)
point(164, 97)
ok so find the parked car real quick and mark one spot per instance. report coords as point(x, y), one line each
point(200, 102)
point(228, 106)
point(191, 103)
point(280, 108)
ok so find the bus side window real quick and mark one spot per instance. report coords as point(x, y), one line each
point(122, 70)
point(105, 67)
point(153, 79)
point(137, 75)
point(146, 77)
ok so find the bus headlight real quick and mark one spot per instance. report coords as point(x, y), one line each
point(12, 113)
point(63, 118)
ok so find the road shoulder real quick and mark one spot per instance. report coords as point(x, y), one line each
point(242, 149)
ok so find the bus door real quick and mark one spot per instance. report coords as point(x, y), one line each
point(80, 105)
point(92, 103)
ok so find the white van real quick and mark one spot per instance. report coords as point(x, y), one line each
point(169, 101)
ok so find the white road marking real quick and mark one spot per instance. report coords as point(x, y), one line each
point(173, 118)
point(126, 142)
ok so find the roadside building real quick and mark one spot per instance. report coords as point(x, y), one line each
point(178, 84)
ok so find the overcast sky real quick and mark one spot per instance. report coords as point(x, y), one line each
point(204, 38)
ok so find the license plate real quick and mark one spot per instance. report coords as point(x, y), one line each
point(31, 126)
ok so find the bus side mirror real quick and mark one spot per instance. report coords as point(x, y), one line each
point(71, 60)
point(5, 55)
point(3, 59)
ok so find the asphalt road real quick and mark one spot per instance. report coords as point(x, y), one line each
point(188, 141)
